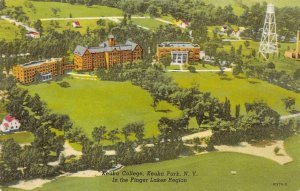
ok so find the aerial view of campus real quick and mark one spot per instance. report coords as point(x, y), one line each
point(149, 95)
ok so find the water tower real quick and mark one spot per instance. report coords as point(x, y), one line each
point(268, 43)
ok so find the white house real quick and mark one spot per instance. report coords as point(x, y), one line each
point(33, 34)
point(76, 24)
point(9, 124)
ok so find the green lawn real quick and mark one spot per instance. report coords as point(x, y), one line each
point(149, 23)
point(237, 90)
point(95, 103)
point(19, 137)
point(9, 31)
point(213, 170)
point(43, 9)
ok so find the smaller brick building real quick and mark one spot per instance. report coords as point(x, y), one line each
point(180, 52)
point(42, 70)
point(106, 55)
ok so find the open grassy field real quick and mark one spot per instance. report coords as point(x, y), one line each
point(213, 174)
point(95, 103)
point(149, 23)
point(19, 137)
point(238, 90)
point(43, 10)
point(8, 31)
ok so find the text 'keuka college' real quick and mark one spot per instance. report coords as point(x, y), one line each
point(152, 176)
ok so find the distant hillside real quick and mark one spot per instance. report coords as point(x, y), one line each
point(238, 10)
point(278, 3)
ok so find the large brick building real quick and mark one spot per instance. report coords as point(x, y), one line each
point(42, 70)
point(180, 52)
point(107, 54)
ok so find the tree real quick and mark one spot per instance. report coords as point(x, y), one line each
point(38, 26)
point(98, 133)
point(29, 156)
point(55, 11)
point(199, 27)
point(93, 156)
point(61, 158)
point(271, 65)
point(253, 53)
point(239, 51)
point(101, 22)
point(112, 135)
point(192, 69)
point(236, 70)
point(46, 141)
point(172, 130)
point(7, 174)
point(288, 102)
point(296, 74)
point(166, 60)
point(153, 11)
point(237, 111)
point(2, 4)
point(10, 153)
point(88, 3)
point(247, 44)
point(222, 59)
point(37, 105)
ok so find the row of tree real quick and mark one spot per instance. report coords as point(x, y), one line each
point(259, 123)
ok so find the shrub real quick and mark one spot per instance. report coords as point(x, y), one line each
point(192, 69)
point(64, 84)
point(276, 150)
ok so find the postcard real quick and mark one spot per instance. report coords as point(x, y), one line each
point(148, 95)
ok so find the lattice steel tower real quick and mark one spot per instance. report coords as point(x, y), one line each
point(268, 43)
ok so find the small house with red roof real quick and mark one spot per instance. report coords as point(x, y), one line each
point(76, 24)
point(33, 34)
point(9, 124)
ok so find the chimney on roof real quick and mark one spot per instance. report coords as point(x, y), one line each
point(111, 40)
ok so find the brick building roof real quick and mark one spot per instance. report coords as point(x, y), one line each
point(104, 47)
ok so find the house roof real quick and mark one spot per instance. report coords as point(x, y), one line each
point(9, 118)
point(6, 125)
point(80, 50)
point(104, 47)
point(34, 33)
point(178, 44)
point(40, 62)
point(76, 22)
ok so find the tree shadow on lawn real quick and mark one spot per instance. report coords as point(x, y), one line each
point(294, 111)
point(253, 82)
point(226, 78)
point(164, 110)
point(262, 143)
point(239, 77)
